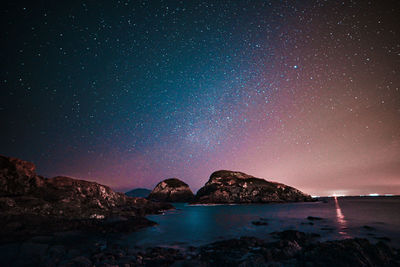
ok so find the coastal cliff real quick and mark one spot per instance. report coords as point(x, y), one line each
point(30, 203)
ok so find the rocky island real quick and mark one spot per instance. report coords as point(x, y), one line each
point(237, 187)
point(171, 190)
point(31, 204)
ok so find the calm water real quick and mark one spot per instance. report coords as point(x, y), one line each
point(342, 218)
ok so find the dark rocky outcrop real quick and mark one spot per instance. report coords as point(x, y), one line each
point(138, 192)
point(295, 248)
point(259, 223)
point(32, 204)
point(171, 190)
point(291, 248)
point(237, 187)
point(18, 177)
point(312, 218)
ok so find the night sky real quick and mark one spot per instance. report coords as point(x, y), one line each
point(128, 93)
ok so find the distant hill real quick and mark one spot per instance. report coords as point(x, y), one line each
point(138, 192)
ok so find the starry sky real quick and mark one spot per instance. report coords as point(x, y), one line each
point(128, 93)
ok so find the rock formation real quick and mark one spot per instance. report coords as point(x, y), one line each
point(171, 190)
point(237, 187)
point(138, 192)
point(34, 203)
point(288, 248)
point(18, 177)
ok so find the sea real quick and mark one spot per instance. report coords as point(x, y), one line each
point(374, 218)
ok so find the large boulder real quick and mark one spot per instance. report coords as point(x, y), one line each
point(237, 187)
point(171, 190)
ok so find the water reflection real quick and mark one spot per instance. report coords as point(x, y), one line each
point(341, 220)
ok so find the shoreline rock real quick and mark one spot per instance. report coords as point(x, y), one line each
point(31, 204)
point(292, 248)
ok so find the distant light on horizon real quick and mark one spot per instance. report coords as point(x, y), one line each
point(374, 195)
point(337, 195)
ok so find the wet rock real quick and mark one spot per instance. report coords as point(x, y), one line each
point(237, 187)
point(383, 238)
point(369, 228)
point(189, 263)
point(259, 223)
point(79, 261)
point(350, 252)
point(230, 252)
point(171, 190)
point(312, 218)
point(288, 249)
point(293, 235)
point(292, 248)
point(290, 235)
point(298, 249)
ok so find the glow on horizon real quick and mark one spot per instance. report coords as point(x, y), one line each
point(337, 195)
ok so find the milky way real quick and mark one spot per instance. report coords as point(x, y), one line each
point(127, 93)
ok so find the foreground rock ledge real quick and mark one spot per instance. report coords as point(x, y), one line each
point(171, 190)
point(291, 248)
point(31, 204)
point(237, 187)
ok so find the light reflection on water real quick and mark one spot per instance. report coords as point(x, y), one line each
point(341, 220)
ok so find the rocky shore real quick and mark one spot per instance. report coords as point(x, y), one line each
point(291, 248)
point(33, 205)
point(59, 222)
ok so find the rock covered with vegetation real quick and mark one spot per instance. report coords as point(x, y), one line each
point(237, 187)
point(171, 190)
